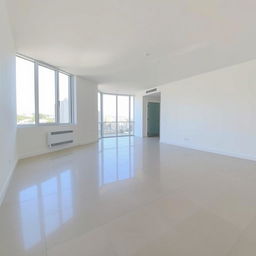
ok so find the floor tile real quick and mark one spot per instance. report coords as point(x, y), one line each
point(203, 234)
point(130, 196)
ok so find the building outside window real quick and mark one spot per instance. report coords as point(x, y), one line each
point(115, 115)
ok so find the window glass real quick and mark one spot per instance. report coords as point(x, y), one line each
point(123, 108)
point(123, 128)
point(99, 107)
point(64, 99)
point(118, 115)
point(131, 128)
point(131, 115)
point(99, 115)
point(109, 108)
point(132, 108)
point(25, 91)
point(109, 115)
point(46, 91)
point(123, 115)
point(36, 94)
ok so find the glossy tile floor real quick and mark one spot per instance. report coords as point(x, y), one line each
point(130, 196)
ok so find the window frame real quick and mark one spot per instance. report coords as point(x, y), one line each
point(70, 93)
point(57, 102)
point(131, 132)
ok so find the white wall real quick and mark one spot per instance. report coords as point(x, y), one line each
point(7, 102)
point(33, 140)
point(138, 115)
point(214, 112)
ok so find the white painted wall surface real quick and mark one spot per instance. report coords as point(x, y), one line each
point(33, 140)
point(7, 102)
point(214, 111)
point(138, 115)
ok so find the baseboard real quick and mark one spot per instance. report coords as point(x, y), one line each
point(6, 184)
point(211, 150)
point(47, 150)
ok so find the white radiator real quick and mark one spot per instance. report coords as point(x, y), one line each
point(59, 138)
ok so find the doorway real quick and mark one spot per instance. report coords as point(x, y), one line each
point(153, 119)
point(151, 115)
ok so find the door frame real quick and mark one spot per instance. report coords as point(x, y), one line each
point(146, 100)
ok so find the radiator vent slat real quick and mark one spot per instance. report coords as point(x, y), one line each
point(61, 132)
point(61, 143)
point(60, 138)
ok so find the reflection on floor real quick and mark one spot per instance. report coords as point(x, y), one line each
point(53, 195)
point(130, 196)
point(116, 159)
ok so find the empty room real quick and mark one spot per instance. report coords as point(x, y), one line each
point(128, 128)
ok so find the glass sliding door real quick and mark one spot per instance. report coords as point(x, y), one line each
point(115, 115)
point(99, 115)
point(109, 109)
point(123, 115)
point(131, 120)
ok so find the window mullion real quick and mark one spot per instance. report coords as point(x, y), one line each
point(117, 115)
point(101, 115)
point(57, 105)
point(129, 123)
point(70, 96)
point(36, 94)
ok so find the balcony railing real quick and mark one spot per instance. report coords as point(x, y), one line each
point(112, 129)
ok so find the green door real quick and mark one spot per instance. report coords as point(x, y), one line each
point(153, 119)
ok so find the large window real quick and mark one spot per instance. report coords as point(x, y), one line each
point(115, 115)
point(123, 115)
point(64, 98)
point(44, 94)
point(109, 115)
point(25, 91)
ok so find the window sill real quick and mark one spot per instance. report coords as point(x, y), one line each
point(44, 125)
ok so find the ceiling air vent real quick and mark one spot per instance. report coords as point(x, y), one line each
point(151, 90)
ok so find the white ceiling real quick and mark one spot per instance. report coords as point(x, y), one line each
point(135, 44)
